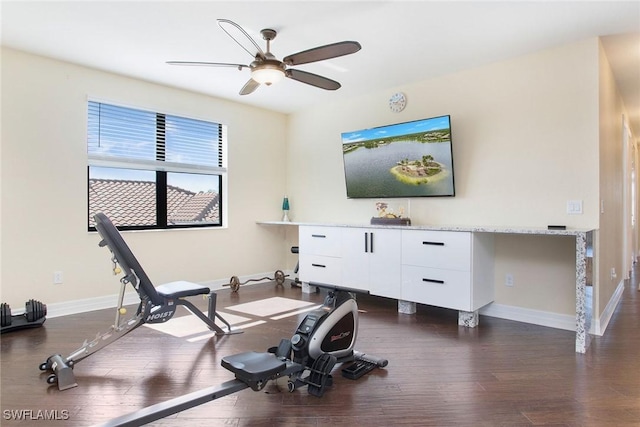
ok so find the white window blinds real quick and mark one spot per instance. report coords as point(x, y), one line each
point(126, 137)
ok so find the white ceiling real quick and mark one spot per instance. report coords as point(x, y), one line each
point(402, 41)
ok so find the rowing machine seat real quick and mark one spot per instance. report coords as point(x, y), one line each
point(254, 368)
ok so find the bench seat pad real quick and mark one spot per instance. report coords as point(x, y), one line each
point(181, 289)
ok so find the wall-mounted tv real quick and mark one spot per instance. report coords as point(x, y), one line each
point(412, 159)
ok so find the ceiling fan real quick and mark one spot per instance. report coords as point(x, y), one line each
point(267, 69)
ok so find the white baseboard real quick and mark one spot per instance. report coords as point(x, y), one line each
point(600, 324)
point(66, 308)
point(110, 301)
point(526, 315)
point(555, 320)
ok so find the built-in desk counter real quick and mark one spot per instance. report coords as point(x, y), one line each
point(465, 263)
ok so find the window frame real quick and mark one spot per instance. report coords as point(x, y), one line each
point(162, 168)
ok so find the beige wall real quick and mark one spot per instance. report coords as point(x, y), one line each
point(525, 141)
point(520, 129)
point(44, 188)
point(610, 248)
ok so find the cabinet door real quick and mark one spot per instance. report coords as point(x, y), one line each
point(385, 271)
point(355, 258)
point(371, 260)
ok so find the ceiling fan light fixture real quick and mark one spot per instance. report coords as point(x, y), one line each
point(267, 74)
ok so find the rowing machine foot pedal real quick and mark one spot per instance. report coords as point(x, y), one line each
point(320, 376)
point(357, 369)
point(62, 372)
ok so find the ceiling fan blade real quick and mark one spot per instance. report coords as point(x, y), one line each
point(241, 37)
point(312, 79)
point(249, 87)
point(322, 52)
point(208, 64)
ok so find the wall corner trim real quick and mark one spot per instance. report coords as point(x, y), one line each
point(600, 325)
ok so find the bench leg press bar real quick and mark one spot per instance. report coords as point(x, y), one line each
point(62, 368)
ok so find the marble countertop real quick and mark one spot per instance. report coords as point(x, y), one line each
point(467, 228)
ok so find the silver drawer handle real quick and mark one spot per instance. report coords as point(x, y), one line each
point(318, 265)
point(321, 236)
point(433, 243)
point(441, 282)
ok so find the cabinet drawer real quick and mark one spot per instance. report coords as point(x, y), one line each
point(320, 241)
point(449, 250)
point(320, 269)
point(433, 286)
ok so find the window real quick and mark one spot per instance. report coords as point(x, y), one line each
point(152, 170)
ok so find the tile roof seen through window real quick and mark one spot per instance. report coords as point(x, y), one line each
point(133, 203)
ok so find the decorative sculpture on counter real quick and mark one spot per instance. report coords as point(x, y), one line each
point(386, 216)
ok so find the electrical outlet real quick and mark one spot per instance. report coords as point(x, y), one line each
point(508, 279)
point(613, 273)
point(57, 277)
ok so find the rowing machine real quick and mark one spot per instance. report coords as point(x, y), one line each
point(325, 336)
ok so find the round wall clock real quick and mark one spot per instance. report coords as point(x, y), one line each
point(397, 102)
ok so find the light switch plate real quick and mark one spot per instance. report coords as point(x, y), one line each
point(574, 207)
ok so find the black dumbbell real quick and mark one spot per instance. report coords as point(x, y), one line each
point(34, 310)
point(5, 314)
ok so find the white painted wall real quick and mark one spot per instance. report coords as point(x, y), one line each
point(44, 186)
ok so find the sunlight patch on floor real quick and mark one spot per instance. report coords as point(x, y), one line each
point(293, 313)
point(270, 306)
point(189, 325)
point(194, 329)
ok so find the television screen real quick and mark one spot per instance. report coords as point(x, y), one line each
point(412, 159)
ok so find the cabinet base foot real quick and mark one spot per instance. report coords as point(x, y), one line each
point(470, 319)
point(406, 307)
point(308, 289)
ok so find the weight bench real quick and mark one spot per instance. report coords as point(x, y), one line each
point(157, 305)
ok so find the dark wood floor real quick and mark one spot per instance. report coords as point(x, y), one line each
point(502, 373)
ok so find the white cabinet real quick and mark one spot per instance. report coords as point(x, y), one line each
point(451, 269)
point(371, 260)
point(447, 269)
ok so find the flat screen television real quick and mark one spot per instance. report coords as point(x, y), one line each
point(411, 159)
